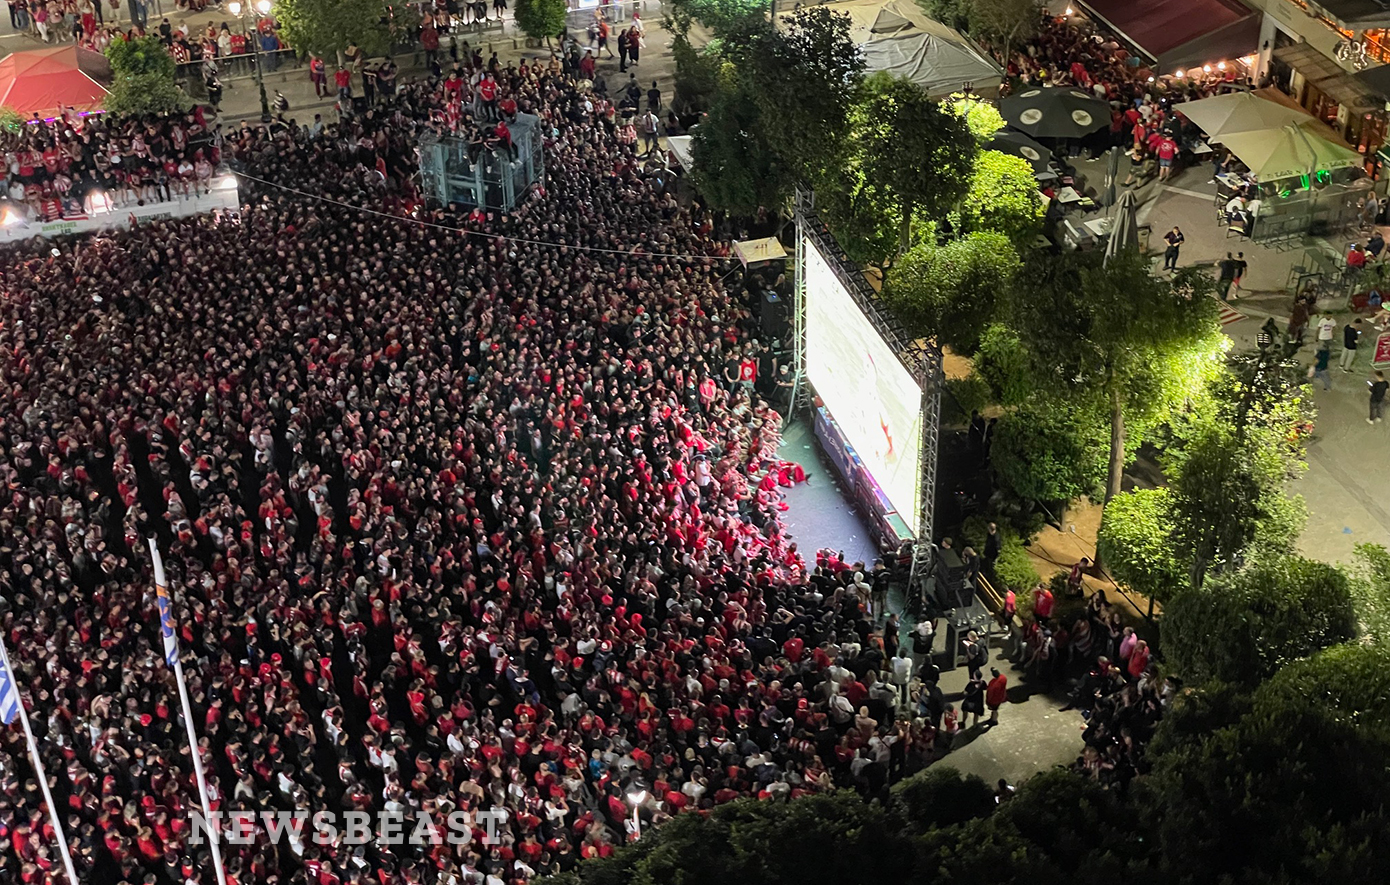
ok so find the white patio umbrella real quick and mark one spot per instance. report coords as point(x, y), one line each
point(1236, 112)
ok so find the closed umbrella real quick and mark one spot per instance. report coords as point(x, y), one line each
point(1055, 112)
point(1112, 174)
point(1007, 141)
point(1124, 227)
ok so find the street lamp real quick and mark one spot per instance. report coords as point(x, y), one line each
point(263, 7)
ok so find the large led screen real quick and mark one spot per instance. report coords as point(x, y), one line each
point(866, 388)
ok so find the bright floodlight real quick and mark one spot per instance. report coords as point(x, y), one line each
point(8, 218)
point(234, 8)
point(54, 252)
point(263, 6)
point(637, 797)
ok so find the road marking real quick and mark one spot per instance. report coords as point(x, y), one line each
point(1168, 188)
point(1230, 315)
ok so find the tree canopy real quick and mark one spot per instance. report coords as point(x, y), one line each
point(1116, 337)
point(949, 291)
point(1243, 626)
point(142, 79)
point(541, 19)
point(327, 27)
point(914, 148)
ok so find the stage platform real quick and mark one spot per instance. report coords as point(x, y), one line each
point(819, 513)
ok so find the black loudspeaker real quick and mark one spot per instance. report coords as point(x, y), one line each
point(774, 316)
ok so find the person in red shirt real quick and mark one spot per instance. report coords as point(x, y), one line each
point(487, 93)
point(996, 693)
point(1138, 659)
point(1167, 151)
point(1042, 603)
point(318, 75)
point(343, 77)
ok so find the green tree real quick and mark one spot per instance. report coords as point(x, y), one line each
point(327, 27)
point(941, 797)
point(1115, 334)
point(1292, 792)
point(1243, 626)
point(981, 117)
point(542, 19)
point(697, 76)
point(142, 79)
point(806, 76)
point(763, 843)
point(1050, 451)
point(1002, 362)
point(918, 152)
point(948, 292)
point(1003, 197)
point(1227, 497)
point(1351, 680)
point(1134, 541)
point(736, 169)
point(1060, 827)
point(720, 16)
point(1008, 22)
point(952, 13)
point(1371, 592)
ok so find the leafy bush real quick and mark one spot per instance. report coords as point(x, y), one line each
point(941, 797)
point(1134, 542)
point(1242, 627)
point(982, 117)
point(965, 395)
point(1371, 592)
point(1044, 453)
point(1003, 197)
point(1013, 568)
point(948, 292)
point(1352, 680)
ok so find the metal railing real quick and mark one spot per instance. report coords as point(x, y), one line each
point(241, 66)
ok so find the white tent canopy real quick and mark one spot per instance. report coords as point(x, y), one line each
point(899, 38)
point(683, 149)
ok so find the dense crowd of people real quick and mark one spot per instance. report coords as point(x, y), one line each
point(460, 512)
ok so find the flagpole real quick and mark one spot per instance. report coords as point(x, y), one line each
point(38, 768)
point(212, 831)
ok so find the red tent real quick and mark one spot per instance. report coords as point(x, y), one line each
point(44, 81)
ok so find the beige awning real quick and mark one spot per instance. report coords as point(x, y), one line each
point(756, 251)
point(1289, 152)
point(1223, 115)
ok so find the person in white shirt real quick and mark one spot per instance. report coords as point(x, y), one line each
point(1326, 327)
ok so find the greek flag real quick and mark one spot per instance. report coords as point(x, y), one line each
point(166, 608)
point(9, 695)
